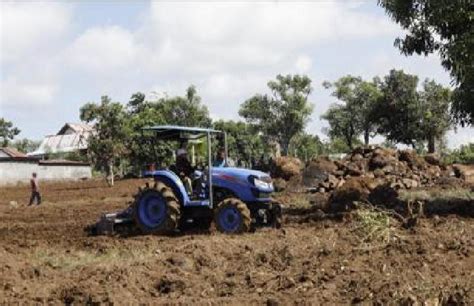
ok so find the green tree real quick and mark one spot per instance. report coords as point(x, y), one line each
point(306, 146)
point(338, 145)
point(7, 131)
point(436, 121)
point(137, 103)
point(107, 144)
point(342, 124)
point(184, 111)
point(413, 117)
point(399, 109)
point(445, 27)
point(26, 145)
point(463, 155)
point(284, 113)
point(356, 115)
point(142, 149)
point(243, 142)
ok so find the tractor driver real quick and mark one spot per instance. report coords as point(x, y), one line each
point(184, 168)
point(220, 159)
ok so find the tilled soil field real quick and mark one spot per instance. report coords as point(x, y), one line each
point(361, 256)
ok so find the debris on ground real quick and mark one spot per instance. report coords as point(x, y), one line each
point(403, 169)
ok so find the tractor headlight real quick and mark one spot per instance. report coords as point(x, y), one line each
point(261, 184)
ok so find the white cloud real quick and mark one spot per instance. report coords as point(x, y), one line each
point(28, 28)
point(20, 94)
point(103, 50)
point(208, 37)
point(32, 35)
point(303, 64)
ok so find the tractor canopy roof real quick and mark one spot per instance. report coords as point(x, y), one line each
point(174, 132)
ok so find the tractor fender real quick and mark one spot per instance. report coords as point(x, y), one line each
point(173, 181)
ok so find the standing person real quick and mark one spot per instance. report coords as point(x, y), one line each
point(35, 192)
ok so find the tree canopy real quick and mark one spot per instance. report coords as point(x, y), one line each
point(284, 113)
point(355, 116)
point(244, 144)
point(435, 101)
point(107, 143)
point(406, 115)
point(445, 27)
point(392, 107)
point(186, 110)
point(399, 112)
point(7, 131)
point(26, 145)
point(306, 146)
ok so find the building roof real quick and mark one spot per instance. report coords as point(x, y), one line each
point(75, 127)
point(12, 154)
point(70, 138)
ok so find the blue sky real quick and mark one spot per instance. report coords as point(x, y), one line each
point(56, 56)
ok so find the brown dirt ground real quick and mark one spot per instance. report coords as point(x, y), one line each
point(46, 257)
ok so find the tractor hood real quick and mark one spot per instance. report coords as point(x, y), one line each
point(239, 173)
point(243, 180)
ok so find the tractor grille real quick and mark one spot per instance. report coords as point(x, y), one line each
point(259, 194)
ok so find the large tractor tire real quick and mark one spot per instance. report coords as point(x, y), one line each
point(232, 216)
point(156, 209)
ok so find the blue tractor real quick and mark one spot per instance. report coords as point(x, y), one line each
point(235, 199)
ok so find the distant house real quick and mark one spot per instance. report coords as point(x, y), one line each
point(17, 167)
point(12, 154)
point(72, 137)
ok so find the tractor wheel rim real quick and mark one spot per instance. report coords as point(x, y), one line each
point(230, 219)
point(152, 210)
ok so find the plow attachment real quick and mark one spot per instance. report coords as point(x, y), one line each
point(119, 222)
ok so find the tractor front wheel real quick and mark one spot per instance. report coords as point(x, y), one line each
point(156, 209)
point(232, 216)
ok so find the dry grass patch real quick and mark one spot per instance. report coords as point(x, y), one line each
point(437, 194)
point(374, 227)
point(78, 258)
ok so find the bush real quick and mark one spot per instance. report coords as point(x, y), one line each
point(463, 155)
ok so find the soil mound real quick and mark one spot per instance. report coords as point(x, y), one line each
point(286, 167)
point(398, 169)
point(318, 170)
point(465, 172)
point(354, 189)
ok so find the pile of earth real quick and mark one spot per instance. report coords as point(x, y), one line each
point(368, 174)
point(400, 169)
point(403, 169)
point(286, 171)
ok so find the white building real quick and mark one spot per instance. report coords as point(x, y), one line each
point(16, 167)
point(71, 137)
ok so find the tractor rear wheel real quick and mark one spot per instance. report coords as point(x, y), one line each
point(156, 209)
point(232, 216)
